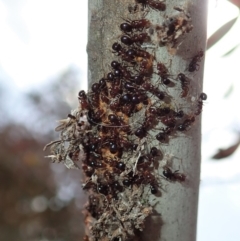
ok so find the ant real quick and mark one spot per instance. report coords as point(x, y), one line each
point(187, 123)
point(149, 122)
point(116, 121)
point(141, 132)
point(95, 99)
point(136, 38)
point(202, 97)
point(121, 70)
point(148, 177)
point(162, 69)
point(173, 176)
point(146, 67)
point(163, 73)
point(153, 188)
point(133, 55)
point(96, 91)
point(154, 90)
point(163, 135)
point(93, 118)
point(169, 121)
point(127, 55)
point(83, 100)
point(160, 112)
point(115, 89)
point(152, 4)
point(184, 84)
point(129, 26)
point(194, 62)
point(143, 163)
point(154, 152)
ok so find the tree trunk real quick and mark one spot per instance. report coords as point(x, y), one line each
point(176, 208)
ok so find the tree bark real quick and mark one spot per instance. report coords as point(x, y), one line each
point(176, 209)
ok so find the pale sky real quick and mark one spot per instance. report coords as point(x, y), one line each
point(42, 38)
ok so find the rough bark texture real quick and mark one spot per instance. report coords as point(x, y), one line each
point(176, 216)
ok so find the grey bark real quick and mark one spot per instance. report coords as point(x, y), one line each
point(176, 215)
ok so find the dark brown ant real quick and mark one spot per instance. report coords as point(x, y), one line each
point(147, 125)
point(169, 121)
point(118, 48)
point(100, 86)
point(160, 6)
point(154, 90)
point(148, 177)
point(114, 106)
point(123, 71)
point(133, 55)
point(135, 39)
point(143, 164)
point(103, 90)
point(146, 67)
point(126, 55)
point(111, 77)
point(95, 99)
point(138, 79)
point(160, 112)
point(149, 122)
point(171, 25)
point(129, 26)
point(95, 87)
point(153, 188)
point(126, 99)
point(102, 83)
point(186, 124)
point(93, 118)
point(184, 84)
point(173, 176)
point(130, 87)
point(194, 62)
point(127, 145)
point(83, 100)
point(137, 179)
point(116, 121)
point(162, 70)
point(163, 73)
point(115, 89)
point(128, 109)
point(202, 97)
point(154, 152)
point(140, 132)
point(163, 136)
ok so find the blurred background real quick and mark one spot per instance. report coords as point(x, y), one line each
point(43, 65)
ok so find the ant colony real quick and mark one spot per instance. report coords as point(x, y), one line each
point(118, 132)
